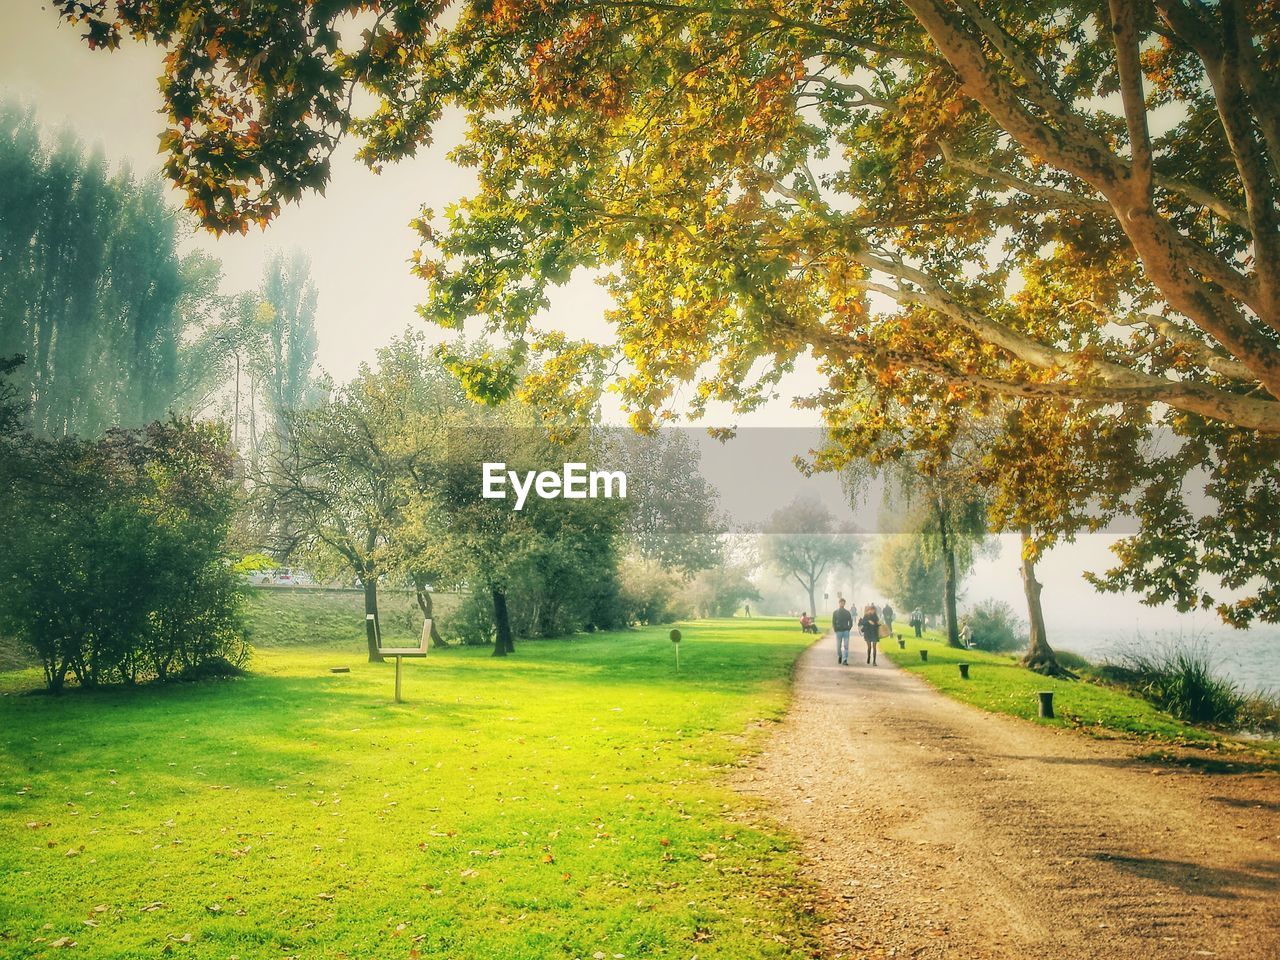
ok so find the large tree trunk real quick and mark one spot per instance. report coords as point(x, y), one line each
point(948, 582)
point(427, 606)
point(502, 644)
point(1040, 657)
point(371, 626)
point(813, 605)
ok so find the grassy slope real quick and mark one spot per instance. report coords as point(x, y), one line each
point(565, 802)
point(999, 684)
point(306, 616)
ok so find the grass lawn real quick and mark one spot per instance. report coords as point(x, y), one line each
point(998, 683)
point(565, 802)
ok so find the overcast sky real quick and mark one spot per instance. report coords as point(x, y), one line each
point(358, 240)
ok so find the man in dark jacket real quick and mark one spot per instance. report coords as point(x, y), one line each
point(842, 623)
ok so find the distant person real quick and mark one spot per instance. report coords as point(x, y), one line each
point(869, 625)
point(917, 621)
point(805, 623)
point(887, 615)
point(966, 636)
point(747, 607)
point(842, 624)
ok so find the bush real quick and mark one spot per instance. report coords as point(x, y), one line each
point(471, 622)
point(115, 569)
point(1180, 680)
point(648, 593)
point(1260, 711)
point(996, 627)
point(720, 591)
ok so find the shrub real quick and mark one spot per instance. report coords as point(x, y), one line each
point(115, 568)
point(471, 622)
point(648, 593)
point(1180, 680)
point(720, 591)
point(996, 627)
point(1260, 711)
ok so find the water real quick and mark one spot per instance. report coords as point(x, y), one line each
point(1251, 658)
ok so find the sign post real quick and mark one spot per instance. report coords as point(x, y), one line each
point(401, 652)
point(675, 638)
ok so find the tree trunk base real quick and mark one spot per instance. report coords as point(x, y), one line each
point(1048, 666)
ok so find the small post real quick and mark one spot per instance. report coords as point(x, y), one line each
point(902, 644)
point(675, 638)
point(398, 662)
point(964, 671)
point(1046, 704)
point(924, 654)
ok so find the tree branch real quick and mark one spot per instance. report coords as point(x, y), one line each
point(1124, 27)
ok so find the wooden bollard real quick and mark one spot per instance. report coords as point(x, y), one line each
point(902, 644)
point(924, 654)
point(964, 671)
point(1046, 704)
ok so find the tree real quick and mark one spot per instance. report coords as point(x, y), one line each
point(673, 518)
point(92, 289)
point(348, 468)
point(556, 558)
point(933, 481)
point(799, 542)
point(284, 371)
point(905, 574)
point(1117, 165)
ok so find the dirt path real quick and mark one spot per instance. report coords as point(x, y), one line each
point(933, 829)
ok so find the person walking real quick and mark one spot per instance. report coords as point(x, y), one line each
point(842, 624)
point(869, 625)
point(887, 615)
point(917, 620)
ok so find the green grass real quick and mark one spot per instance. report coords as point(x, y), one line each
point(565, 802)
point(998, 683)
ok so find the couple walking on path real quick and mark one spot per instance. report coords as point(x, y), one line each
point(868, 626)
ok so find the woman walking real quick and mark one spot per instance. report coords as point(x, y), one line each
point(869, 625)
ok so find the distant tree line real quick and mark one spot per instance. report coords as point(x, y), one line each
point(117, 326)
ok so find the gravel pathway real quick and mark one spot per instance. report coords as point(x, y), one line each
point(935, 830)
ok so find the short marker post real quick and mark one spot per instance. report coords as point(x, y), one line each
point(675, 639)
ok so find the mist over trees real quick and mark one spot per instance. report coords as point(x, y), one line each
point(801, 543)
point(93, 291)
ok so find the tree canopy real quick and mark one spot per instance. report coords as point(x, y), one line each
point(961, 200)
